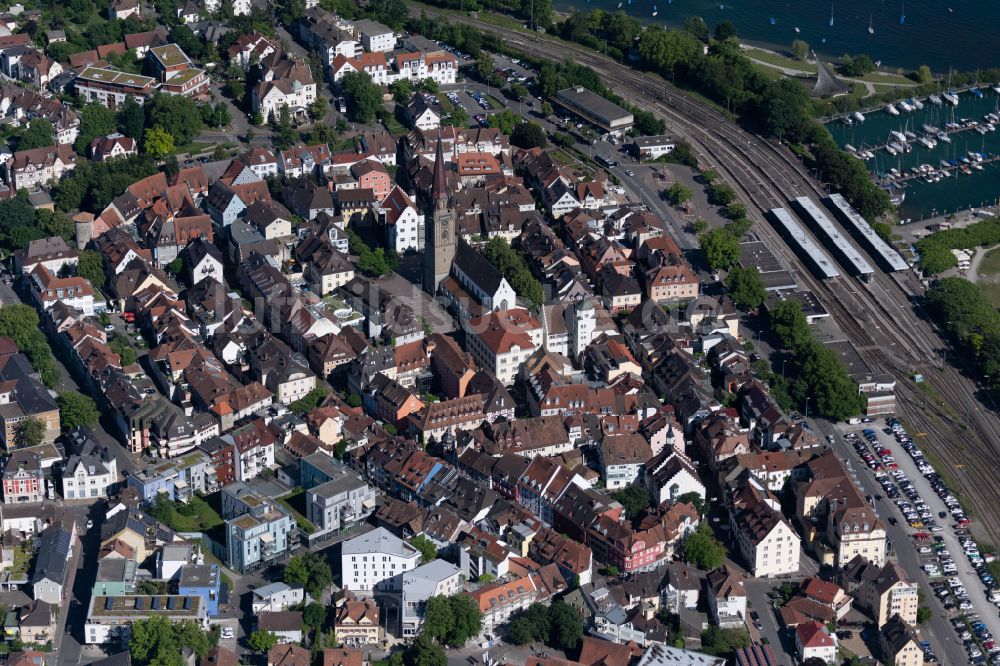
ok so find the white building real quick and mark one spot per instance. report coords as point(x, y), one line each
point(276, 597)
point(813, 640)
point(623, 457)
point(404, 224)
point(670, 474)
point(441, 67)
point(654, 147)
point(482, 279)
point(376, 560)
point(503, 340)
point(92, 473)
point(767, 542)
point(434, 579)
point(727, 598)
point(374, 36)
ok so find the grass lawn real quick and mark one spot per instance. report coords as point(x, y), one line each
point(887, 78)
point(22, 562)
point(991, 291)
point(780, 60)
point(392, 125)
point(990, 264)
point(495, 103)
point(195, 147)
point(195, 516)
point(295, 502)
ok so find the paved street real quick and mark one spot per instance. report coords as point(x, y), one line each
point(938, 630)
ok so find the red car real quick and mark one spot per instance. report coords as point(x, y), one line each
point(921, 536)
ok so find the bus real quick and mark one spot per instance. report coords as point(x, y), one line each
point(606, 161)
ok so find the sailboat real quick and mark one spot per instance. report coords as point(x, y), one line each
point(871, 30)
point(654, 11)
point(902, 15)
point(830, 22)
point(797, 30)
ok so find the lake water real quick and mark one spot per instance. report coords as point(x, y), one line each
point(941, 33)
point(950, 194)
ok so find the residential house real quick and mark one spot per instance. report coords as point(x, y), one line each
point(55, 551)
point(727, 598)
point(39, 167)
point(356, 623)
point(285, 625)
point(814, 640)
point(899, 644)
point(437, 578)
point(275, 597)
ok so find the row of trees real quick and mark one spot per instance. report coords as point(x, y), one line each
point(558, 625)
point(818, 377)
point(971, 321)
point(513, 267)
point(311, 571)
point(157, 641)
point(453, 620)
point(935, 250)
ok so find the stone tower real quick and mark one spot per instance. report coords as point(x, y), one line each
point(439, 229)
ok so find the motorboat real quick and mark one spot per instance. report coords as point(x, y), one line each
point(905, 106)
point(891, 110)
point(943, 137)
point(860, 117)
point(848, 120)
point(951, 98)
point(899, 136)
point(935, 100)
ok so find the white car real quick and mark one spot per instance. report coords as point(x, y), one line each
point(227, 632)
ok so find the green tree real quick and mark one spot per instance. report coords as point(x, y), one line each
point(90, 265)
point(725, 30)
point(520, 631)
point(318, 108)
point(31, 432)
point(924, 614)
point(156, 640)
point(311, 571)
point(402, 91)
point(428, 551)
point(426, 653)
point(634, 499)
point(457, 117)
point(310, 401)
point(96, 120)
point(721, 249)
point(158, 142)
point(859, 65)
point(679, 194)
point(438, 619)
point(723, 642)
point(77, 409)
point(235, 89)
point(20, 323)
point(467, 620)
point(505, 121)
point(924, 74)
point(179, 116)
point(693, 498)
point(703, 550)
point(39, 134)
point(484, 67)
point(364, 98)
point(566, 629)
point(121, 346)
point(800, 49)
point(746, 288)
point(262, 641)
point(314, 615)
point(515, 269)
point(528, 135)
point(697, 27)
point(131, 119)
point(789, 323)
point(55, 223)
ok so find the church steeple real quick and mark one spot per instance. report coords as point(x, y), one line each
point(439, 228)
point(439, 187)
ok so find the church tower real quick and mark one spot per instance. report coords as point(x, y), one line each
point(439, 229)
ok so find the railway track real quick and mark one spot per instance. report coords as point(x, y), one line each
point(881, 321)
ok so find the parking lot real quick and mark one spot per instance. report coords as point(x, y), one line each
point(918, 501)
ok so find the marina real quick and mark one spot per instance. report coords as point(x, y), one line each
point(935, 159)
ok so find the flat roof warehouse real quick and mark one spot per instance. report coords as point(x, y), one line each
point(595, 109)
